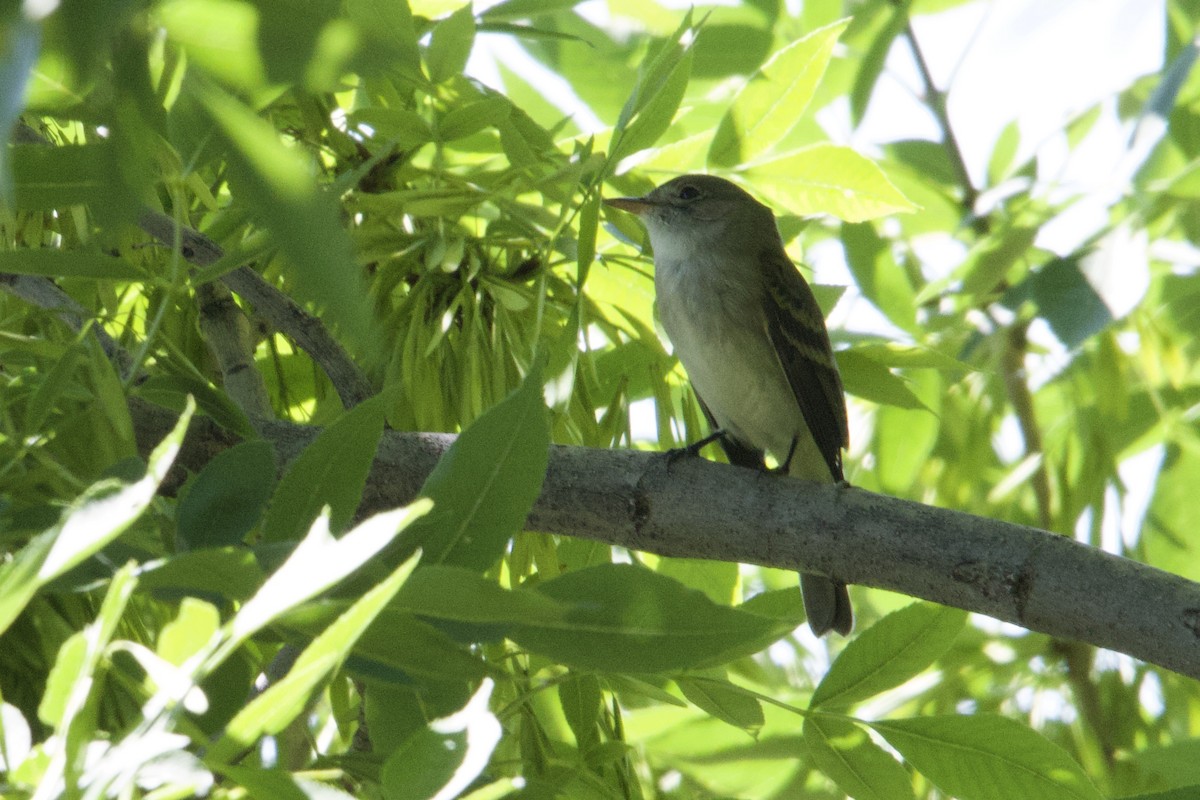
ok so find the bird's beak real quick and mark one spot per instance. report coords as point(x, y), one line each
point(634, 205)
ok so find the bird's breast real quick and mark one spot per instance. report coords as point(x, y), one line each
point(719, 333)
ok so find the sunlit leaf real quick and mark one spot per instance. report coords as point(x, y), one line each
point(774, 98)
point(828, 179)
point(986, 757)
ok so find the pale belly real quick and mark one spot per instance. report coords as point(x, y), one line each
point(744, 386)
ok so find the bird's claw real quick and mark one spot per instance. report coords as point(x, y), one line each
point(693, 449)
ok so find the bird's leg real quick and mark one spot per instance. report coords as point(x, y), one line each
point(694, 448)
point(782, 469)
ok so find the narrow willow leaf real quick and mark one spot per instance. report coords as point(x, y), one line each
point(873, 61)
point(986, 757)
point(654, 100)
point(882, 280)
point(774, 98)
point(860, 768)
point(989, 263)
point(455, 594)
point(657, 114)
point(891, 651)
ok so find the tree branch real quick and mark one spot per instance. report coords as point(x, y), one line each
point(44, 293)
point(700, 509)
point(308, 332)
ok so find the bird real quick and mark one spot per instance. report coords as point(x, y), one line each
point(746, 327)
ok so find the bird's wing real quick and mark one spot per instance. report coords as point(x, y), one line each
point(798, 332)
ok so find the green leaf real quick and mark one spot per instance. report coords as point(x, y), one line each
point(986, 757)
point(651, 106)
point(331, 471)
point(828, 179)
point(904, 438)
point(485, 484)
point(990, 262)
point(717, 579)
point(455, 594)
point(776, 96)
point(1181, 793)
point(391, 38)
point(887, 654)
point(725, 50)
point(275, 184)
point(1068, 301)
point(71, 680)
point(860, 768)
point(271, 711)
point(407, 128)
point(513, 10)
point(190, 632)
point(656, 114)
point(724, 700)
point(870, 380)
point(318, 563)
point(69, 264)
point(443, 759)
point(465, 120)
point(101, 514)
point(227, 498)
point(928, 159)
point(628, 619)
point(278, 784)
point(400, 641)
point(450, 45)
point(589, 223)
point(226, 573)
point(879, 277)
point(57, 177)
point(579, 696)
point(873, 61)
point(219, 36)
point(291, 42)
point(1003, 153)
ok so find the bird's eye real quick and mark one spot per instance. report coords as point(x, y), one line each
point(689, 193)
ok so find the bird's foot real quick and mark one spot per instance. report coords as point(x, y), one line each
point(692, 449)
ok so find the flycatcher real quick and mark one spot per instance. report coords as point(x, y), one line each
point(751, 336)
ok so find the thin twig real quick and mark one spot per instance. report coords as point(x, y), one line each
point(935, 98)
point(280, 310)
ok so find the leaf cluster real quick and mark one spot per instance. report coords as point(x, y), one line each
point(239, 631)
